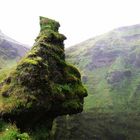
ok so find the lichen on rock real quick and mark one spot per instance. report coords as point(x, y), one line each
point(42, 86)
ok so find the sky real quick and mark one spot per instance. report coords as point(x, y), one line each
point(79, 19)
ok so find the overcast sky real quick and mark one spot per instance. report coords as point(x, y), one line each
point(79, 19)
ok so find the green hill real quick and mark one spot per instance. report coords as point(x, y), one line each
point(11, 52)
point(110, 67)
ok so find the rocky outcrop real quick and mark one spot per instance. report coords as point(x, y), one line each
point(42, 86)
point(116, 77)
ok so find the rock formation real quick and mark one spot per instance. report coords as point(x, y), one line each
point(42, 86)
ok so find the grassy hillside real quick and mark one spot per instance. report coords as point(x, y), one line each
point(11, 51)
point(110, 67)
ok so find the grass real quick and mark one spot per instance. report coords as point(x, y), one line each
point(10, 132)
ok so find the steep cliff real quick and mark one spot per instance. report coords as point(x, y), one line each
point(42, 86)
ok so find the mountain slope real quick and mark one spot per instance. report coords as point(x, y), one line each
point(110, 66)
point(10, 51)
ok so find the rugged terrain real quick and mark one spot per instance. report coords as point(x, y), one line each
point(11, 51)
point(110, 70)
point(110, 66)
point(39, 88)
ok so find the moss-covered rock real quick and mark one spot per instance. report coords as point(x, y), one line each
point(42, 86)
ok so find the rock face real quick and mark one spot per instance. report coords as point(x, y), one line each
point(116, 77)
point(42, 86)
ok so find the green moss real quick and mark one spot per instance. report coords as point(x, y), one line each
point(30, 61)
point(42, 85)
point(33, 61)
point(10, 132)
point(48, 24)
point(71, 70)
point(72, 104)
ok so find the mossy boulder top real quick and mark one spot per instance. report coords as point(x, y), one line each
point(42, 85)
point(46, 24)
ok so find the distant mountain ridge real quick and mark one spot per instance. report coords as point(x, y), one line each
point(110, 68)
point(10, 50)
point(109, 64)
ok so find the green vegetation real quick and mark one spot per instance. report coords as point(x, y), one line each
point(10, 132)
point(39, 88)
point(109, 65)
point(93, 125)
point(48, 24)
